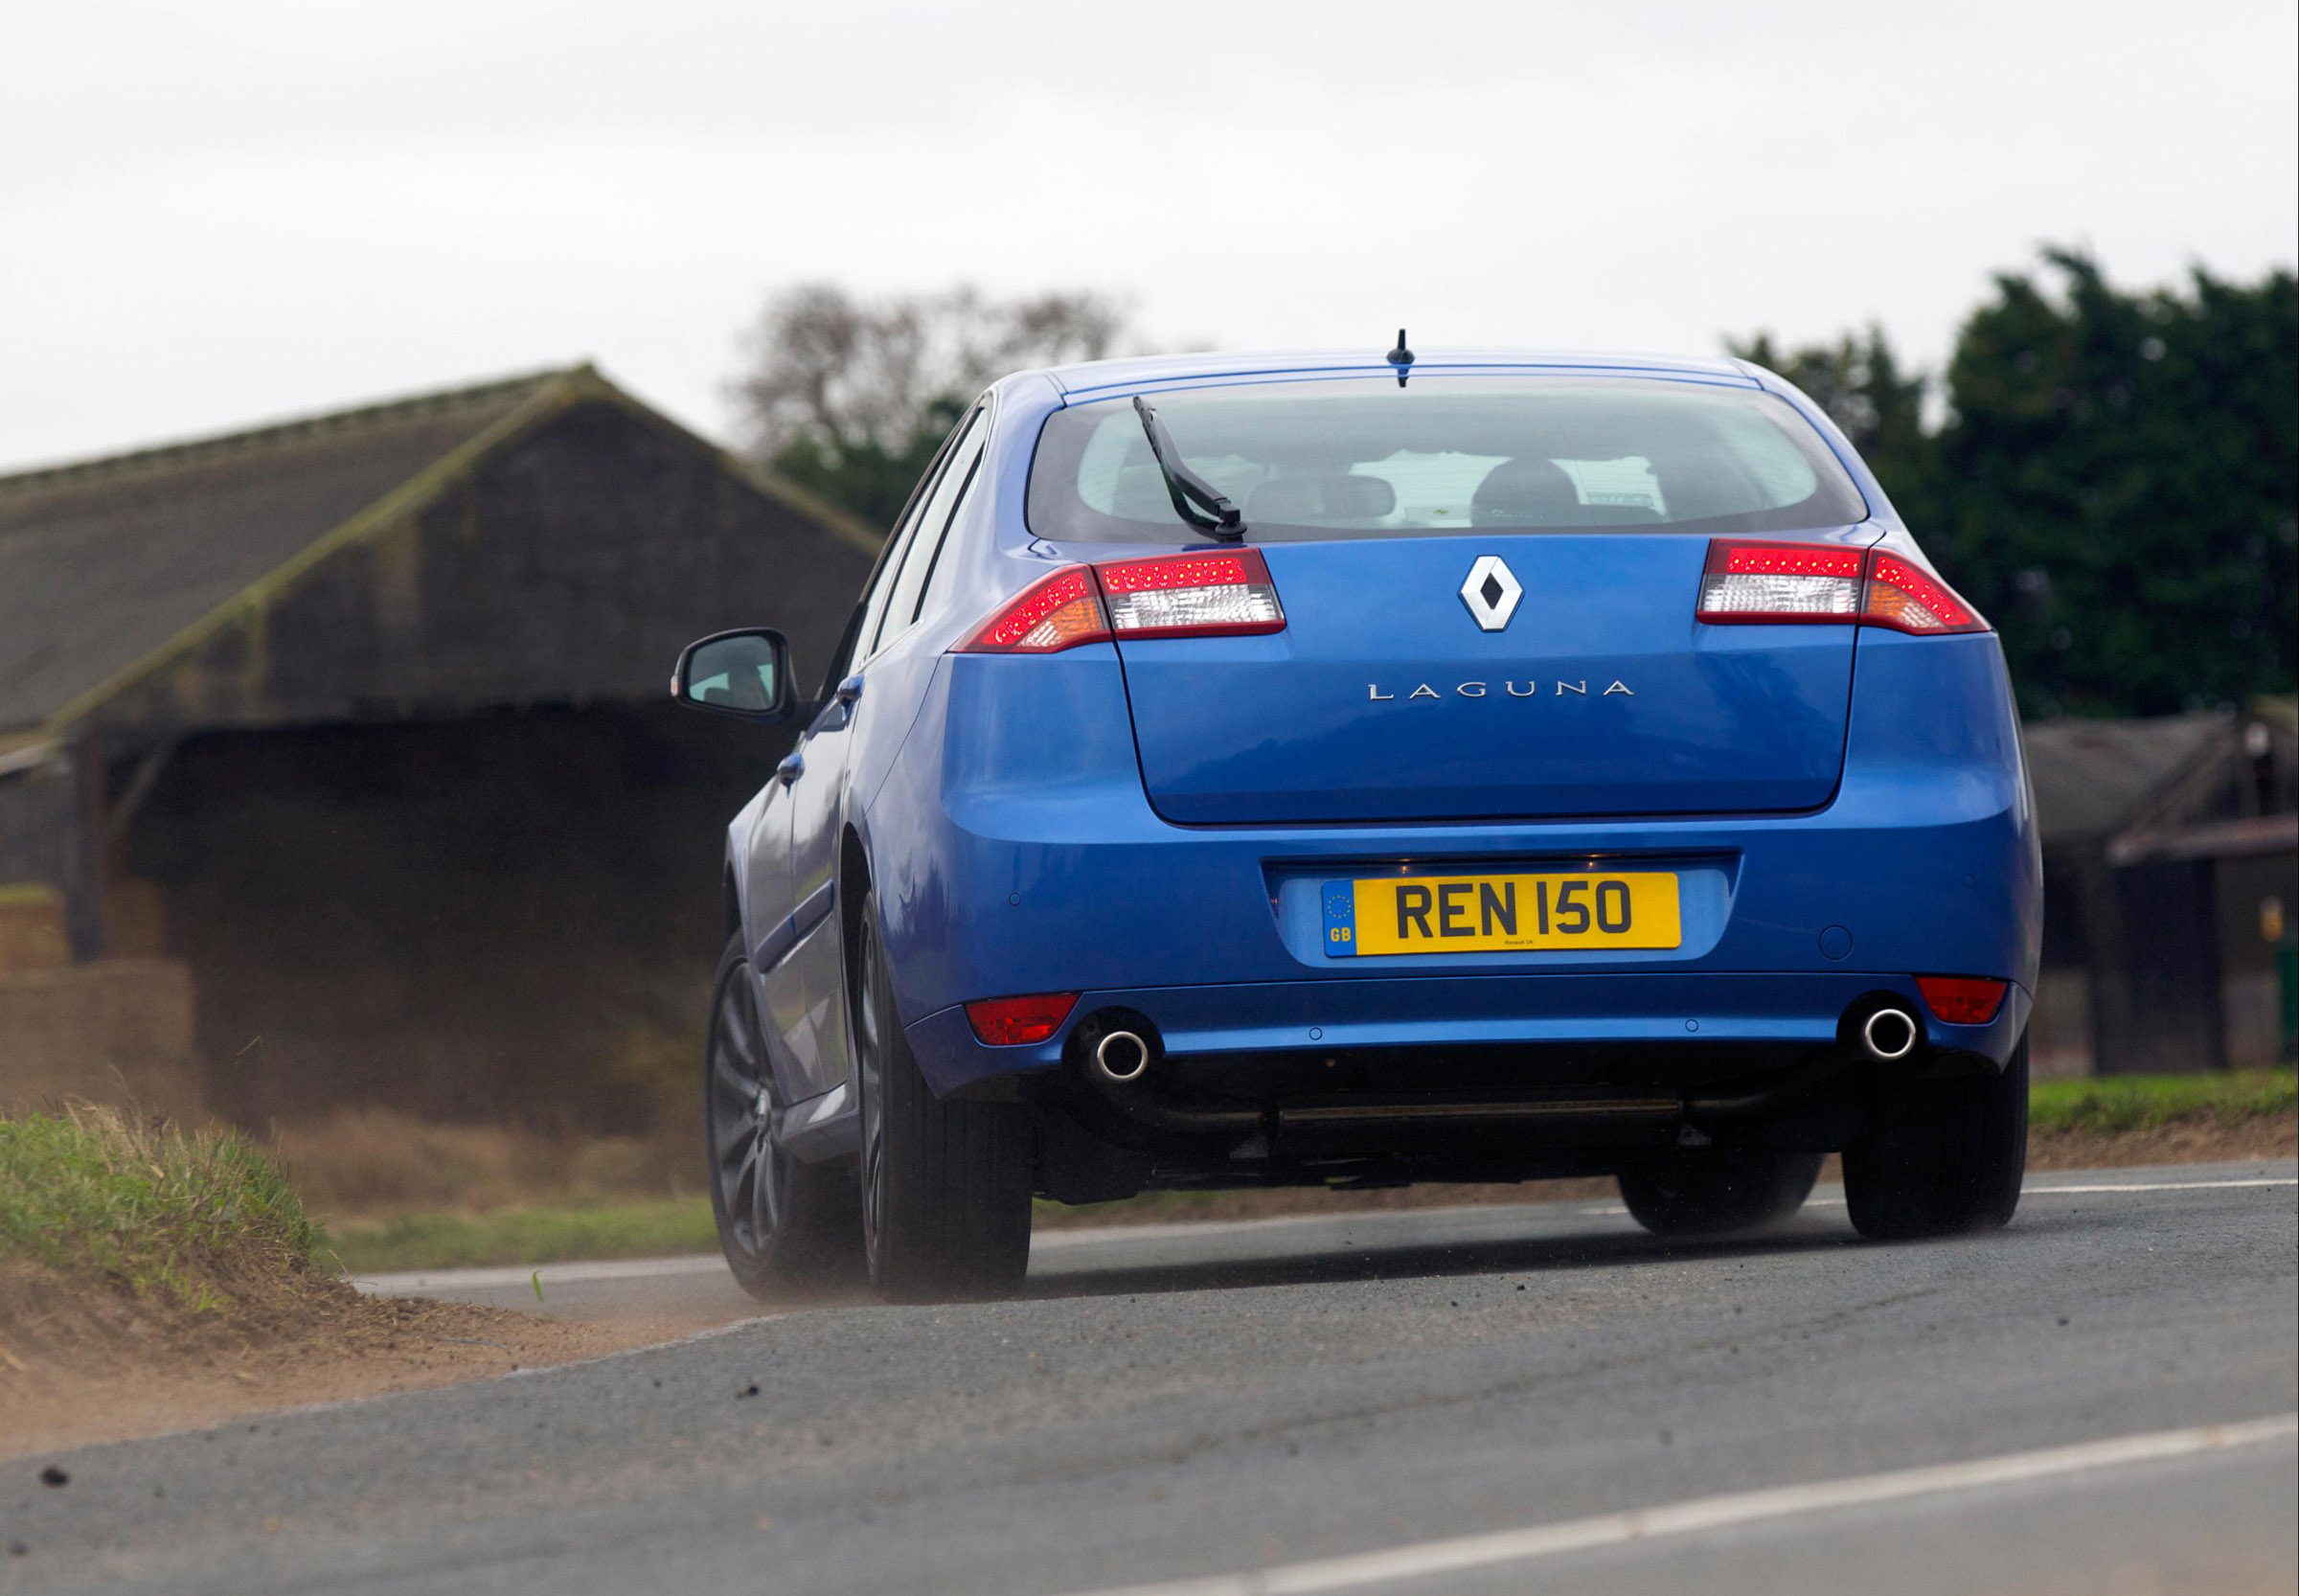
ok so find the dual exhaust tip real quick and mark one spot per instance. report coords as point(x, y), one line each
point(1123, 1057)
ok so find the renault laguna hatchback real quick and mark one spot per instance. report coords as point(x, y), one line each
point(1354, 770)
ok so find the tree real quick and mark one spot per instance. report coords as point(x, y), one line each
point(851, 398)
point(2121, 478)
point(2116, 482)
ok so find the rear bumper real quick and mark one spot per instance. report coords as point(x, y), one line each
point(1029, 860)
point(1677, 1022)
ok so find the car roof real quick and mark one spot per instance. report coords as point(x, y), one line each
point(1087, 378)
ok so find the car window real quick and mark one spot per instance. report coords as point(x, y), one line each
point(1366, 458)
point(888, 570)
point(937, 565)
point(925, 535)
point(933, 527)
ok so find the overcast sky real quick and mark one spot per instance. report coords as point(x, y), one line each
point(222, 213)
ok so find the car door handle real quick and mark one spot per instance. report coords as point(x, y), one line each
point(850, 690)
point(793, 766)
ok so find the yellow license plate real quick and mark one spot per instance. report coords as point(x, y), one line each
point(1500, 914)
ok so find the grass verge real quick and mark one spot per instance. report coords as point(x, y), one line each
point(2124, 1103)
point(642, 1229)
point(110, 1226)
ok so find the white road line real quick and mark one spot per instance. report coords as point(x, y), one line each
point(554, 1274)
point(2159, 1186)
point(1702, 1513)
point(2027, 1191)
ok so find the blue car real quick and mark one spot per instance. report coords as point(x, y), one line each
point(1348, 771)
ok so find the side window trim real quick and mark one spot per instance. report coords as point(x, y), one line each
point(881, 586)
point(967, 435)
point(879, 582)
point(925, 589)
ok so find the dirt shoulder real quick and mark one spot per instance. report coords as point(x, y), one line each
point(118, 1389)
point(153, 1279)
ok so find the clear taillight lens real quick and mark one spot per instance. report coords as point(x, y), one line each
point(1779, 581)
point(1225, 594)
point(1776, 583)
point(1053, 613)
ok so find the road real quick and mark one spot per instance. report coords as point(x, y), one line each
point(1433, 1402)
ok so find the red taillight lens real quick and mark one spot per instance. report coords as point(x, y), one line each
point(1963, 999)
point(1019, 1021)
point(1779, 581)
point(1226, 593)
point(1054, 614)
point(1906, 598)
point(1784, 583)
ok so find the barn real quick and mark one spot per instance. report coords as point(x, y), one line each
point(336, 754)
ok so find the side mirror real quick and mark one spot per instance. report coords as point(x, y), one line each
point(743, 674)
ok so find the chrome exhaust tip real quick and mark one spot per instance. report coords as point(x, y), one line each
point(1890, 1034)
point(1121, 1057)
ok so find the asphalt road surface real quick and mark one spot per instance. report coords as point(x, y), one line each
point(1497, 1399)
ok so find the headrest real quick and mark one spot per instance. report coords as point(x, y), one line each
point(1326, 496)
point(1527, 492)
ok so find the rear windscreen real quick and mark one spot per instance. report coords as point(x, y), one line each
point(1362, 457)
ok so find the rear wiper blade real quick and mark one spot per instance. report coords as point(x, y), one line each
point(1195, 499)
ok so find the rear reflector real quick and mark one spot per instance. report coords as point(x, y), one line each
point(1019, 1021)
point(1780, 583)
point(1227, 594)
point(1053, 613)
point(1962, 999)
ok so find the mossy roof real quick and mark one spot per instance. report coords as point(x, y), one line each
point(110, 568)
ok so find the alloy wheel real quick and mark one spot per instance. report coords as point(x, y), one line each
point(746, 1119)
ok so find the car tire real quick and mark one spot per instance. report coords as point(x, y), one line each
point(1941, 1158)
point(1710, 1191)
point(946, 1182)
point(782, 1222)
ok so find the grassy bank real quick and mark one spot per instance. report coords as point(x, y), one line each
point(2125, 1102)
point(112, 1227)
point(2124, 1119)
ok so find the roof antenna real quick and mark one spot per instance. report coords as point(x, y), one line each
point(1401, 359)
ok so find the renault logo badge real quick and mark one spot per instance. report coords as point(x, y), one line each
point(1491, 592)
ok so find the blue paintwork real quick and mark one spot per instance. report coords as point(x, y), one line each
point(1020, 837)
point(1628, 706)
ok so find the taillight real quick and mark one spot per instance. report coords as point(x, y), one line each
point(1053, 613)
point(1227, 593)
point(1019, 1021)
point(1963, 999)
point(1776, 583)
point(1906, 598)
point(1779, 581)
point(1224, 594)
